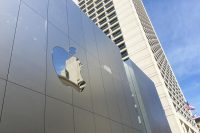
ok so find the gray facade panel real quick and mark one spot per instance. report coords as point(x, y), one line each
point(58, 117)
point(131, 107)
point(27, 66)
point(101, 45)
point(84, 121)
point(116, 127)
point(149, 103)
point(113, 108)
point(2, 90)
point(57, 14)
point(98, 91)
point(38, 6)
point(23, 111)
point(116, 60)
point(124, 113)
point(127, 129)
point(8, 14)
point(75, 24)
point(90, 41)
point(102, 124)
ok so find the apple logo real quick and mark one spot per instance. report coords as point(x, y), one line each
point(68, 68)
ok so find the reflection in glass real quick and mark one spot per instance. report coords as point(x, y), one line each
point(68, 67)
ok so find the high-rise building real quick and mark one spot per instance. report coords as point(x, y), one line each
point(197, 120)
point(104, 15)
point(127, 24)
point(59, 73)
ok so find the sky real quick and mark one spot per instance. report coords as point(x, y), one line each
point(177, 24)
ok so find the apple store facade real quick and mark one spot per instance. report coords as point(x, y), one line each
point(33, 98)
point(59, 73)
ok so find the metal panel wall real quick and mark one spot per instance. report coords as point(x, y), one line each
point(147, 100)
point(32, 99)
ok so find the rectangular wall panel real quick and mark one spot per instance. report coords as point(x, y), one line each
point(23, 111)
point(84, 121)
point(8, 14)
point(58, 117)
point(28, 66)
point(2, 91)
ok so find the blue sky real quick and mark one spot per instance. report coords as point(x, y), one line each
point(177, 24)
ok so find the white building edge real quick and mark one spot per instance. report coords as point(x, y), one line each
point(128, 25)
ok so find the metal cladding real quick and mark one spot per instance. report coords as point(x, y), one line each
point(32, 97)
point(147, 99)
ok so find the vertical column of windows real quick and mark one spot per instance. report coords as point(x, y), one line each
point(161, 60)
point(102, 12)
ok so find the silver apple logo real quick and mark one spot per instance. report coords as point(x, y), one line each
point(68, 68)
